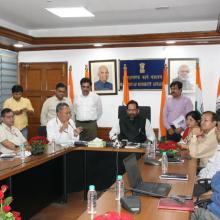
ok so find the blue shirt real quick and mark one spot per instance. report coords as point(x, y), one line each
point(99, 85)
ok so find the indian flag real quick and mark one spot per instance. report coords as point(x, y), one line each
point(70, 85)
point(218, 96)
point(86, 71)
point(125, 86)
point(163, 100)
point(198, 100)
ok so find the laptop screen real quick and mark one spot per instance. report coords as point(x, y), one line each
point(131, 167)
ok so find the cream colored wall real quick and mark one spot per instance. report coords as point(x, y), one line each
point(209, 57)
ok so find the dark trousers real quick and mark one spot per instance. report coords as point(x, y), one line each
point(175, 137)
point(89, 130)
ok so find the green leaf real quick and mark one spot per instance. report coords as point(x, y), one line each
point(2, 216)
point(8, 200)
point(9, 215)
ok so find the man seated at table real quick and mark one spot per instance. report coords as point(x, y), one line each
point(132, 126)
point(62, 128)
point(203, 144)
point(213, 209)
point(213, 164)
point(10, 136)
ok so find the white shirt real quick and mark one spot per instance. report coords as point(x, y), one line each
point(65, 137)
point(148, 129)
point(88, 107)
point(11, 134)
point(212, 166)
point(49, 109)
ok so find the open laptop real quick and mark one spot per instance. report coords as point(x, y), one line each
point(136, 183)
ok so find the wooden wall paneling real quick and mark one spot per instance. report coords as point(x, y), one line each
point(39, 81)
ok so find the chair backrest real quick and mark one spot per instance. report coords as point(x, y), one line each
point(144, 111)
point(42, 131)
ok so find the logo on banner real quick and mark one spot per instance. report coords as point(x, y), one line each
point(142, 67)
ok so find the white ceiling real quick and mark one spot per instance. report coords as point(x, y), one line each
point(32, 15)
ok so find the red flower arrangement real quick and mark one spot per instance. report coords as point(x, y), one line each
point(38, 144)
point(171, 145)
point(5, 208)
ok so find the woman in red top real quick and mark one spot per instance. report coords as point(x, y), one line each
point(193, 119)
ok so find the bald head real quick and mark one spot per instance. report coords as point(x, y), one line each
point(103, 73)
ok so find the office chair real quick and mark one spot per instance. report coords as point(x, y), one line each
point(42, 131)
point(144, 111)
point(203, 186)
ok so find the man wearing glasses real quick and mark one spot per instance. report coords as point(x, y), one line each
point(62, 129)
point(203, 144)
point(10, 137)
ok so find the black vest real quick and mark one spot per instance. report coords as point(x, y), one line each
point(132, 130)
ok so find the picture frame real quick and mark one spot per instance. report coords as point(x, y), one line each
point(103, 74)
point(183, 70)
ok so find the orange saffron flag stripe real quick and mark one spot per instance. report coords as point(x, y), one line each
point(163, 100)
point(71, 93)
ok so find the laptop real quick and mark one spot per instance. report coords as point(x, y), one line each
point(136, 183)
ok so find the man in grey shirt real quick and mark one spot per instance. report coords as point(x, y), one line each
point(49, 107)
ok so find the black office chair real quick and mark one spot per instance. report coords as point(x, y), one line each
point(203, 186)
point(42, 131)
point(144, 111)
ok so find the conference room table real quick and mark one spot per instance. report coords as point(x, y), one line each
point(36, 181)
point(149, 204)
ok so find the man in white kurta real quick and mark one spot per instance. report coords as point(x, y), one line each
point(62, 129)
point(10, 137)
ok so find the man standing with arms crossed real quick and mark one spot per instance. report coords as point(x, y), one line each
point(88, 109)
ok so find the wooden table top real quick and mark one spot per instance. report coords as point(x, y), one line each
point(149, 204)
point(15, 166)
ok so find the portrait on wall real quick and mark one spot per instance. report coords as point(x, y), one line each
point(183, 70)
point(103, 74)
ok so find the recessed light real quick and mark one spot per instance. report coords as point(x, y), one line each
point(98, 45)
point(170, 42)
point(162, 7)
point(71, 12)
point(18, 45)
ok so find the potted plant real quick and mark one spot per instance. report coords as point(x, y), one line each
point(38, 144)
point(5, 208)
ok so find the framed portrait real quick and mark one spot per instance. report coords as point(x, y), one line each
point(103, 74)
point(183, 70)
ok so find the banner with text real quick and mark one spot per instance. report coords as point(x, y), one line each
point(143, 74)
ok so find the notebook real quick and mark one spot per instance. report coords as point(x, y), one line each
point(136, 183)
point(168, 203)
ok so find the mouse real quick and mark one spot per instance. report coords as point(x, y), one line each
point(151, 161)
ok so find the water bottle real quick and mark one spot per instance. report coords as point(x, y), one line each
point(91, 200)
point(152, 150)
point(164, 163)
point(119, 188)
point(22, 150)
point(53, 144)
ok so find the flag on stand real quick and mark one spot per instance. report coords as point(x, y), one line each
point(70, 85)
point(125, 86)
point(218, 96)
point(86, 71)
point(199, 100)
point(162, 102)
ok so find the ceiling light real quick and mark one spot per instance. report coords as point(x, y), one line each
point(162, 8)
point(98, 45)
point(170, 42)
point(71, 12)
point(18, 45)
